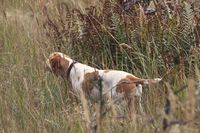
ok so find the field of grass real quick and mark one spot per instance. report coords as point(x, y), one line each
point(163, 45)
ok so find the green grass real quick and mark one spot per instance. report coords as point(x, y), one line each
point(31, 99)
point(34, 100)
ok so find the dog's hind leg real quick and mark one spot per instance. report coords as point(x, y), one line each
point(139, 98)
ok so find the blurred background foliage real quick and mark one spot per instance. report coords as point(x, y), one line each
point(148, 38)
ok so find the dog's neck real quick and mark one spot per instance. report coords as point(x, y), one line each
point(69, 70)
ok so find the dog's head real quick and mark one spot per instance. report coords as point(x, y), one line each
point(58, 63)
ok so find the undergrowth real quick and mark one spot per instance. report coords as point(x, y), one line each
point(110, 35)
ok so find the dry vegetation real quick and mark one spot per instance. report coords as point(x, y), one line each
point(165, 44)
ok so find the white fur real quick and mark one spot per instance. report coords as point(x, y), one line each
point(109, 82)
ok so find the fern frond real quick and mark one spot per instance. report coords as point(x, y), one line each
point(187, 27)
point(188, 18)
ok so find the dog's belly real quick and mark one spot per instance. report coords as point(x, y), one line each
point(107, 94)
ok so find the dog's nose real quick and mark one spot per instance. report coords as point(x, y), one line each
point(48, 66)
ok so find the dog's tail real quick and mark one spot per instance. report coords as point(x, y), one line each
point(147, 81)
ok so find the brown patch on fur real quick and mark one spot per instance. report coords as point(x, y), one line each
point(125, 85)
point(89, 82)
point(128, 84)
point(59, 65)
point(136, 80)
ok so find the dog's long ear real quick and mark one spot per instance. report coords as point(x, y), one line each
point(55, 64)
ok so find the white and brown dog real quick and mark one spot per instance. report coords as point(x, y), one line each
point(115, 85)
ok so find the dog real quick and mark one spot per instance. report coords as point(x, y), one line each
point(98, 84)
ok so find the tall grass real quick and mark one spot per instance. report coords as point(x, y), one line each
point(31, 100)
point(105, 36)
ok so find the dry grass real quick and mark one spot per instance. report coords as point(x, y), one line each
point(33, 100)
